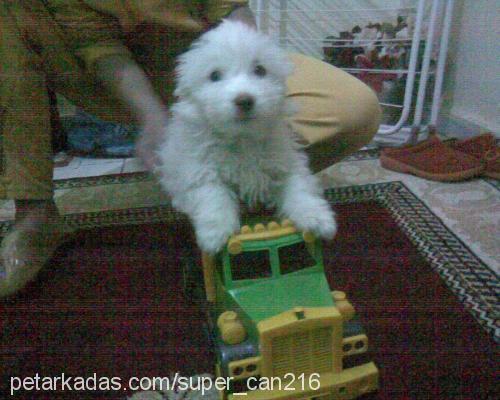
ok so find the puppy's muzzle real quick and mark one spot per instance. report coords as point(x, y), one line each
point(245, 103)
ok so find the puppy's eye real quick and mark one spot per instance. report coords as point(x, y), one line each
point(260, 70)
point(215, 76)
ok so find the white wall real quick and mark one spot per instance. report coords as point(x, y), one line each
point(472, 85)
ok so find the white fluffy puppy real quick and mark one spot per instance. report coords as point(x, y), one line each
point(228, 139)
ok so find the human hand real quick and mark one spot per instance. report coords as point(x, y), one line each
point(129, 82)
point(152, 131)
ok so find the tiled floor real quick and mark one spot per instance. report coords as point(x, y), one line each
point(80, 167)
point(84, 167)
point(470, 208)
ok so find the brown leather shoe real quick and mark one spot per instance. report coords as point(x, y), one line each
point(25, 250)
point(432, 159)
point(485, 149)
point(492, 159)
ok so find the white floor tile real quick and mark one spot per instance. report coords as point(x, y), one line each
point(99, 161)
point(133, 165)
point(7, 210)
point(83, 167)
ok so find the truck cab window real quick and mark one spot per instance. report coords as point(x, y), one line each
point(251, 265)
point(295, 257)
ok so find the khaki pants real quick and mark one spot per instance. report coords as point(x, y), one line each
point(337, 115)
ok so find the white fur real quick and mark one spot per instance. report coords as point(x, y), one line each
point(212, 156)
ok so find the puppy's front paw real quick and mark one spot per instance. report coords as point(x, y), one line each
point(317, 218)
point(212, 234)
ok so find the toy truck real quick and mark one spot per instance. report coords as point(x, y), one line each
point(278, 330)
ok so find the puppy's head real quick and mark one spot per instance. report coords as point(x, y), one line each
point(236, 78)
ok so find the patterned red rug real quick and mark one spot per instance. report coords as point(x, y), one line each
point(110, 304)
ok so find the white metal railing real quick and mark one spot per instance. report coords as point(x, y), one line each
point(304, 26)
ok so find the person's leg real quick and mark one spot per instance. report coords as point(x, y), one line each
point(26, 161)
point(337, 113)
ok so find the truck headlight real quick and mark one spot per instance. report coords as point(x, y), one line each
point(245, 368)
point(343, 305)
point(231, 328)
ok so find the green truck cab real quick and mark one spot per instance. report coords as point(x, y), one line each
point(279, 331)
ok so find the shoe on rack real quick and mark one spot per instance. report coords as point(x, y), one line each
point(432, 159)
point(485, 149)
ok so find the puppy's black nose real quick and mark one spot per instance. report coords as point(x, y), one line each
point(244, 102)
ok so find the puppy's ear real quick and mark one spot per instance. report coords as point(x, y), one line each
point(181, 87)
point(180, 92)
point(244, 15)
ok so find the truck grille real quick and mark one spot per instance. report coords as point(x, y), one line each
point(305, 352)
